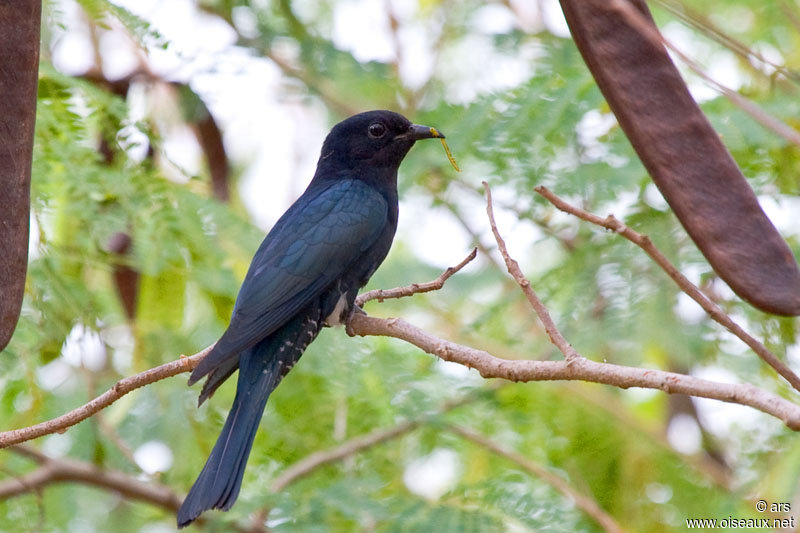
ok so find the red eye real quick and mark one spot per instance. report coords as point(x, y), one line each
point(376, 130)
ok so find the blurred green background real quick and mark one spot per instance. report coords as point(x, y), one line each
point(133, 97)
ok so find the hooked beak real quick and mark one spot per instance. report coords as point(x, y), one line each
point(417, 132)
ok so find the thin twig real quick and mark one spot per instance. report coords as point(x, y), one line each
point(120, 389)
point(476, 238)
point(634, 17)
point(582, 502)
point(703, 24)
point(111, 433)
point(350, 447)
point(52, 470)
point(313, 461)
point(184, 364)
point(415, 288)
point(580, 369)
point(513, 268)
point(791, 14)
point(713, 310)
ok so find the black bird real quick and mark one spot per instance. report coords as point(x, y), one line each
point(305, 275)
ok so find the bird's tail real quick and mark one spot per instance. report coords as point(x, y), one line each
point(260, 370)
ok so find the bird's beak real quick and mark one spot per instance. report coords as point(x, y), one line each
point(417, 132)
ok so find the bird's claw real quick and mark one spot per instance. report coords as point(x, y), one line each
point(355, 310)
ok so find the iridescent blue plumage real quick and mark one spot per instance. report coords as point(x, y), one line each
point(319, 254)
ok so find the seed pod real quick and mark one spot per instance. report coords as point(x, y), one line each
point(19, 41)
point(684, 155)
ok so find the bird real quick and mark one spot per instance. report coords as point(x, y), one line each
point(305, 275)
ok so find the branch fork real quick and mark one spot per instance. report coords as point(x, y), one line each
point(573, 367)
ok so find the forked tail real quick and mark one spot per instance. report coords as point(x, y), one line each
point(260, 370)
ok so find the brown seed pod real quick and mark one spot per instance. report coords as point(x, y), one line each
point(19, 42)
point(684, 155)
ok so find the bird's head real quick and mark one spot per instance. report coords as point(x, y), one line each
point(372, 139)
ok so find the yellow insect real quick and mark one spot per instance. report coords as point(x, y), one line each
point(450, 157)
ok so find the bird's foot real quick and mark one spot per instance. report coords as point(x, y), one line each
point(355, 310)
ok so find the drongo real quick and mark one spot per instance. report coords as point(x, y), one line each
point(305, 275)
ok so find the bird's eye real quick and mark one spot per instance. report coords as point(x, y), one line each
point(376, 130)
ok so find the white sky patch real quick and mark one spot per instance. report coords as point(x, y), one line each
point(724, 290)
point(721, 65)
point(72, 49)
point(693, 271)
point(640, 395)
point(134, 142)
point(183, 154)
point(84, 347)
point(117, 53)
point(33, 239)
point(593, 125)
point(458, 371)
point(438, 239)
point(529, 15)
point(720, 417)
point(57, 445)
point(492, 19)
point(283, 163)
point(190, 49)
point(53, 375)
point(433, 475)
point(472, 67)
point(519, 234)
point(121, 341)
point(771, 55)
point(553, 18)
point(362, 28)
point(654, 198)
point(684, 435)
point(621, 206)
point(782, 212)
point(153, 456)
point(730, 343)
point(684, 40)
point(450, 369)
point(245, 21)
point(418, 55)
point(793, 356)
point(688, 310)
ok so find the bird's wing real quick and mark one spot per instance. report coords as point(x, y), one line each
point(312, 245)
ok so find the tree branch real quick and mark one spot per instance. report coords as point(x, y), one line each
point(53, 470)
point(513, 268)
point(713, 310)
point(415, 288)
point(575, 366)
point(313, 461)
point(120, 389)
point(580, 369)
point(582, 502)
point(185, 364)
point(348, 448)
